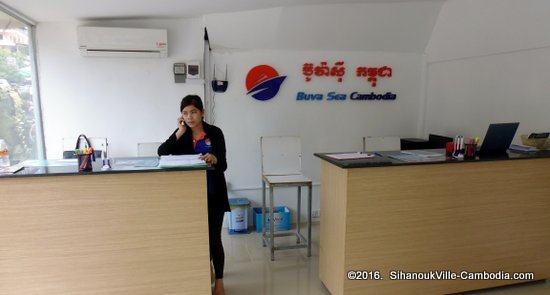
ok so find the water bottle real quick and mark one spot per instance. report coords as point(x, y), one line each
point(4, 154)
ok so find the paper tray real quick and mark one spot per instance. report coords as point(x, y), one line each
point(540, 143)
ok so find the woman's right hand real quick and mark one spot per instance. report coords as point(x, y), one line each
point(181, 127)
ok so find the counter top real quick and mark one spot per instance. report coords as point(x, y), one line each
point(383, 159)
point(37, 168)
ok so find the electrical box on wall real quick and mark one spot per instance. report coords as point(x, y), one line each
point(179, 72)
point(193, 70)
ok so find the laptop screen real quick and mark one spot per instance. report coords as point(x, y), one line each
point(498, 138)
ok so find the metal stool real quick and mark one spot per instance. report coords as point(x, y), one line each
point(281, 165)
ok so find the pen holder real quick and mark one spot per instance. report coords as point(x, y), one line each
point(85, 156)
point(449, 149)
point(470, 150)
point(85, 162)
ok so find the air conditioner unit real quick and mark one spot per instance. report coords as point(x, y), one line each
point(122, 42)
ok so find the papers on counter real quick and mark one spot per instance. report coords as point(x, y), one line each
point(9, 170)
point(522, 148)
point(181, 161)
point(415, 158)
point(135, 162)
point(418, 156)
point(351, 156)
point(423, 153)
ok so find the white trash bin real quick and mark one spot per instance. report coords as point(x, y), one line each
point(238, 217)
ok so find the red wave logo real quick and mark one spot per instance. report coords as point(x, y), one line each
point(263, 82)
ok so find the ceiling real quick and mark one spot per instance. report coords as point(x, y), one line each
point(75, 10)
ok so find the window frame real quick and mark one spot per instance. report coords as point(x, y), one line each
point(31, 24)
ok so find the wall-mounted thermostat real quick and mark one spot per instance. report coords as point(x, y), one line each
point(193, 70)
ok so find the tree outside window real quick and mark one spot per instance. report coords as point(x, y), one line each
point(18, 123)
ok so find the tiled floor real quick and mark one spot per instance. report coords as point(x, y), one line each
point(249, 270)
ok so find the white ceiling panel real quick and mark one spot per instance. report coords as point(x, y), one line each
point(393, 27)
point(71, 10)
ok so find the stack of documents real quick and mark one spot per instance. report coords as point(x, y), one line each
point(523, 148)
point(418, 156)
point(9, 170)
point(351, 156)
point(424, 153)
point(136, 162)
point(181, 161)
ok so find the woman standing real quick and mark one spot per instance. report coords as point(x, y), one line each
point(194, 136)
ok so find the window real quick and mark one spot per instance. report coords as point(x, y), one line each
point(20, 123)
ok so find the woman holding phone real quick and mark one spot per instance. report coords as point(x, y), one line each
point(194, 136)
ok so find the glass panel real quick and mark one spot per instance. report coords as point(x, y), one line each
point(18, 123)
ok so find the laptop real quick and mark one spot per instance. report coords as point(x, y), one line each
point(498, 139)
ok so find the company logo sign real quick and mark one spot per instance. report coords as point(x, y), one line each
point(263, 82)
point(372, 74)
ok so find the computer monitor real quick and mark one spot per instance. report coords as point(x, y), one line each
point(498, 138)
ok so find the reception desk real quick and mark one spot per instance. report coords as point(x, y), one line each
point(115, 232)
point(391, 219)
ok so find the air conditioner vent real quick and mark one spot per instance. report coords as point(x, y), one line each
point(122, 42)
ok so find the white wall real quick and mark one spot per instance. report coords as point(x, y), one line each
point(489, 61)
point(372, 27)
point(324, 126)
point(127, 100)
point(471, 28)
